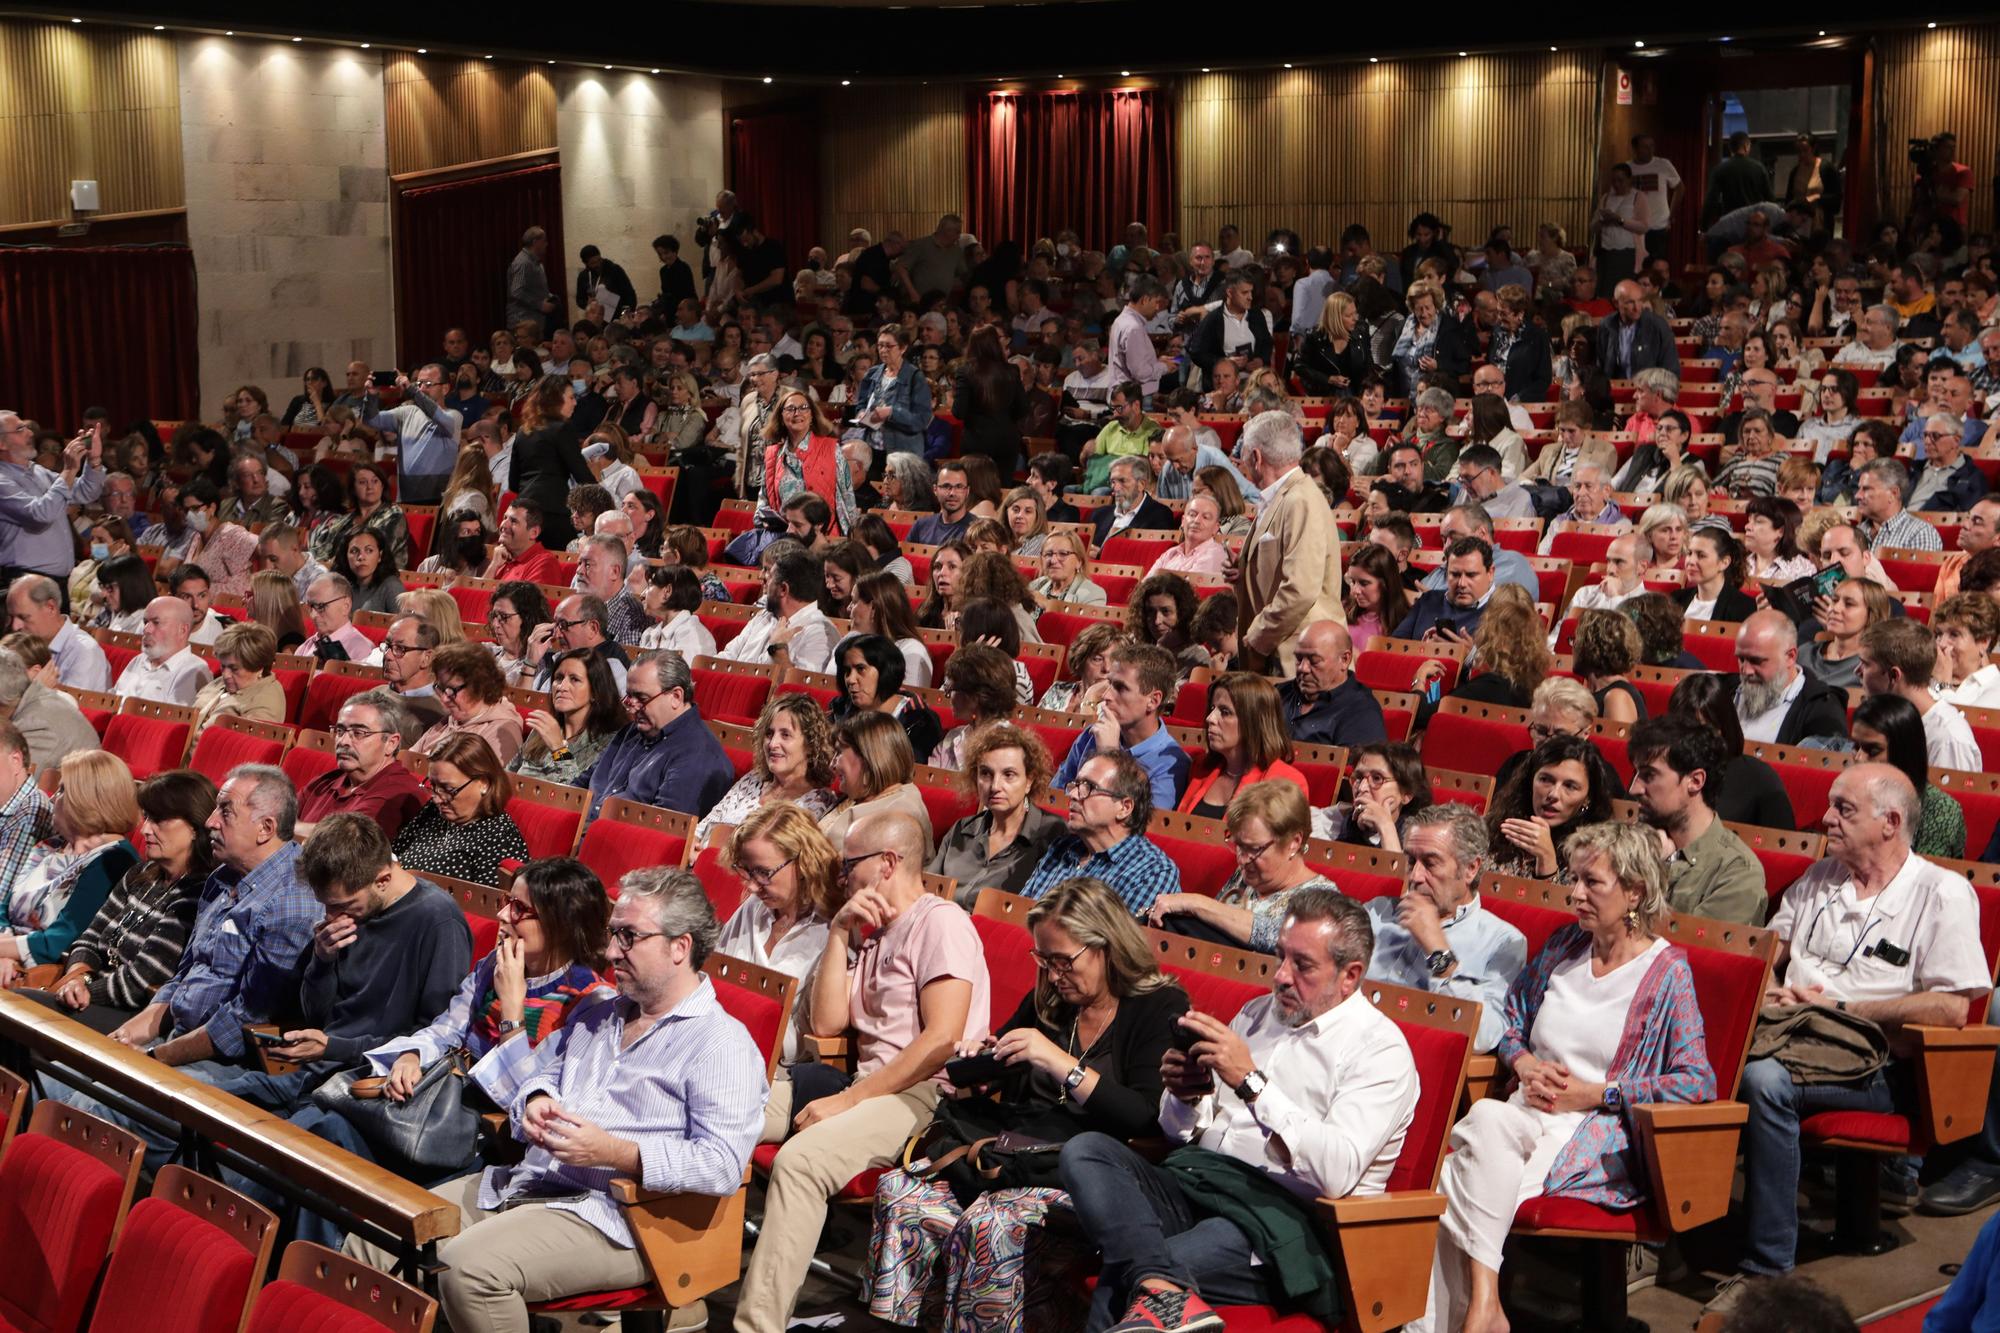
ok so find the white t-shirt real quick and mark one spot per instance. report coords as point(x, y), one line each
point(1926, 911)
point(1627, 207)
point(1091, 392)
point(1981, 689)
point(1654, 180)
point(1582, 1018)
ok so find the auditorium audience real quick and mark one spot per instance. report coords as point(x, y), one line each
point(1065, 575)
point(1291, 558)
point(1777, 699)
point(870, 672)
point(563, 740)
point(1267, 826)
point(873, 765)
point(979, 684)
point(50, 722)
point(1556, 792)
point(999, 845)
point(1887, 730)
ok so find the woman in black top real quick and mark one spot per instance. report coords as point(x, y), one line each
point(1749, 790)
point(870, 671)
point(1333, 359)
point(548, 457)
point(1715, 572)
point(1510, 656)
point(1607, 646)
point(990, 401)
point(310, 408)
point(1082, 1053)
point(1554, 794)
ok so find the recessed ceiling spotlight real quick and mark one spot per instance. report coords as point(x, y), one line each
point(423, 50)
point(656, 71)
point(1931, 24)
point(767, 78)
point(1288, 64)
point(364, 45)
point(1637, 42)
point(607, 67)
point(76, 20)
point(846, 82)
point(1551, 48)
point(298, 39)
point(161, 27)
point(1374, 60)
point(1126, 73)
point(489, 57)
point(1463, 54)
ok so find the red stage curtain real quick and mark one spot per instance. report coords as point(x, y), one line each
point(1039, 162)
point(774, 170)
point(98, 327)
point(453, 244)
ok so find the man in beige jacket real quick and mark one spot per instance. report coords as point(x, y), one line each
point(1288, 574)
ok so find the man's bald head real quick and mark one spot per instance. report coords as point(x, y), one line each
point(1767, 649)
point(1323, 656)
point(165, 629)
point(890, 831)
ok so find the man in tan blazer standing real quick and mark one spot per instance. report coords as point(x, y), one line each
point(1288, 575)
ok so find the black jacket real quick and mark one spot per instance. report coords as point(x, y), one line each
point(1458, 341)
point(991, 428)
point(1530, 365)
point(613, 277)
point(1820, 710)
point(1205, 347)
point(1732, 605)
point(1152, 516)
point(546, 462)
point(676, 285)
point(1316, 361)
point(1652, 346)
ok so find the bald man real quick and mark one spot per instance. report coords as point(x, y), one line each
point(165, 671)
point(1323, 704)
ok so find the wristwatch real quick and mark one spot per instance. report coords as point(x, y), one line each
point(1074, 1079)
point(508, 1026)
point(1614, 1096)
point(1253, 1084)
point(1440, 961)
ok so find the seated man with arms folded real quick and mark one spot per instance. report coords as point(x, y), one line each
point(1436, 936)
point(1109, 806)
point(1877, 931)
point(1324, 704)
point(366, 778)
point(906, 971)
point(1305, 1093)
point(658, 1085)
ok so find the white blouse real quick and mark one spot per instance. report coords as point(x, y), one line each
point(1582, 1018)
point(745, 936)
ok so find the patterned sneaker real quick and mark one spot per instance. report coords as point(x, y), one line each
point(1168, 1312)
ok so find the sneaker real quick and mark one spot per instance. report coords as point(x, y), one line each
point(1963, 1191)
point(1168, 1312)
point(690, 1318)
point(1728, 1294)
point(1642, 1268)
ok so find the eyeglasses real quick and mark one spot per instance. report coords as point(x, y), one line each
point(394, 649)
point(1541, 731)
point(762, 876)
point(445, 793)
point(627, 938)
point(567, 625)
point(451, 691)
point(639, 703)
point(848, 863)
point(495, 617)
point(1250, 851)
point(1364, 777)
point(515, 909)
point(350, 732)
point(1084, 789)
point(317, 607)
point(1933, 435)
point(1057, 964)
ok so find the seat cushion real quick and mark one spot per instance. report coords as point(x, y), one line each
point(1544, 1212)
point(288, 1307)
point(1266, 1319)
point(625, 1298)
point(1890, 1131)
point(861, 1189)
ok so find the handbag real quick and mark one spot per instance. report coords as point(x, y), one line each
point(436, 1127)
point(970, 1148)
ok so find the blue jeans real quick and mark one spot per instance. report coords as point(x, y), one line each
point(1771, 1154)
point(1145, 1226)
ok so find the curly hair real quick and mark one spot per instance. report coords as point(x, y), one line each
point(815, 728)
point(814, 860)
point(1160, 585)
point(992, 736)
point(988, 574)
point(1512, 645)
point(475, 668)
point(1607, 644)
point(985, 675)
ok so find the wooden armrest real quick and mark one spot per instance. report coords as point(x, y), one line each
point(1383, 1245)
point(830, 1050)
point(626, 1190)
point(1954, 1073)
point(692, 1243)
point(1484, 1078)
point(1690, 1152)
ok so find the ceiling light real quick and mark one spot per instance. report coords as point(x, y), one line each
point(489, 57)
point(607, 67)
point(1551, 48)
point(1126, 73)
point(1932, 24)
point(1722, 39)
point(1374, 60)
point(1204, 69)
point(1462, 55)
point(656, 71)
point(161, 27)
point(364, 45)
point(76, 20)
point(423, 50)
point(1822, 32)
point(1637, 42)
point(298, 39)
point(846, 83)
point(1288, 64)
point(232, 32)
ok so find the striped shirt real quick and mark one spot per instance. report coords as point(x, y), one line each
point(1137, 871)
point(1906, 532)
point(693, 1101)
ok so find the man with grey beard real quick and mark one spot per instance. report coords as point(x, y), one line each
point(1777, 700)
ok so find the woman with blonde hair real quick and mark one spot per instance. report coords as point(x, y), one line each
point(802, 457)
point(1836, 660)
point(439, 609)
point(790, 874)
point(62, 880)
point(1027, 520)
point(1510, 655)
point(1416, 344)
point(274, 604)
point(1688, 487)
point(244, 685)
point(680, 424)
point(1082, 1053)
point(791, 763)
point(1604, 1017)
point(1334, 357)
point(1248, 743)
point(1267, 825)
point(874, 765)
point(1065, 575)
point(1572, 446)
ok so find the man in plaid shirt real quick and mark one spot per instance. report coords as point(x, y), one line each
point(1878, 497)
point(1110, 800)
point(26, 816)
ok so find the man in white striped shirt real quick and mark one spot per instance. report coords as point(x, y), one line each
point(657, 1085)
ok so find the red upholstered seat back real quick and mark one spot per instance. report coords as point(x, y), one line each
point(294, 683)
point(1613, 748)
point(727, 697)
point(173, 1272)
point(325, 693)
point(287, 1307)
point(1140, 551)
point(1394, 671)
point(1190, 704)
point(422, 521)
point(1716, 652)
point(475, 604)
point(612, 847)
point(947, 805)
point(119, 656)
point(1219, 996)
point(1439, 1054)
point(763, 1015)
point(1982, 813)
point(549, 830)
point(822, 695)
point(1989, 941)
point(1322, 781)
point(485, 934)
point(148, 745)
point(58, 1207)
point(1474, 744)
point(1205, 866)
point(221, 749)
point(724, 628)
point(718, 881)
point(99, 719)
point(1041, 672)
point(1533, 921)
point(1728, 987)
point(1010, 964)
point(302, 765)
point(1810, 787)
point(1063, 626)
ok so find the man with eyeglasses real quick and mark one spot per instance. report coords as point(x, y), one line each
point(602, 572)
point(667, 756)
point(579, 622)
point(1481, 479)
point(1951, 395)
point(367, 778)
point(1110, 802)
point(406, 664)
point(329, 604)
point(34, 500)
point(426, 434)
point(954, 515)
point(1323, 704)
point(1946, 479)
point(904, 972)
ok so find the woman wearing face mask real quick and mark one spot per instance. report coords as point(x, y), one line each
point(63, 880)
point(999, 846)
point(1387, 782)
point(1556, 793)
point(584, 713)
point(791, 763)
point(792, 886)
point(460, 546)
point(225, 551)
point(1266, 825)
point(548, 457)
point(464, 831)
point(107, 539)
point(377, 582)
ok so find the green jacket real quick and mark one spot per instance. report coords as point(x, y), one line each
point(1283, 1229)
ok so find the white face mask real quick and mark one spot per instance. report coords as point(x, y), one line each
point(198, 521)
point(581, 386)
point(1064, 249)
point(100, 551)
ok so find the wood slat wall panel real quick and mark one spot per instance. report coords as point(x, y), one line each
point(1477, 141)
point(87, 103)
point(1937, 80)
point(445, 112)
point(895, 160)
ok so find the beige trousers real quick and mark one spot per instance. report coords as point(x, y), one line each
point(810, 1168)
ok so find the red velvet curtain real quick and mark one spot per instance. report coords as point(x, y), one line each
point(1039, 162)
point(774, 170)
point(98, 327)
point(453, 244)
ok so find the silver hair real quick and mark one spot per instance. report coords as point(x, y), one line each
point(13, 677)
point(1354, 933)
point(673, 671)
point(1274, 435)
point(391, 713)
point(1887, 312)
point(1477, 517)
point(1889, 472)
point(1582, 466)
point(271, 795)
point(761, 361)
point(1462, 824)
point(1892, 791)
point(1140, 466)
point(41, 589)
point(612, 546)
point(1436, 399)
point(1948, 421)
point(1661, 381)
point(680, 907)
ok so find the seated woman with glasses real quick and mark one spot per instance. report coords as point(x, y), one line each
point(873, 764)
point(999, 845)
point(584, 713)
point(791, 762)
point(1386, 783)
point(1081, 1052)
point(1267, 826)
point(516, 612)
point(244, 685)
point(544, 967)
point(465, 832)
point(792, 882)
point(474, 694)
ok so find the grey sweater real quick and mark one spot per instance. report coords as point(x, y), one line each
point(402, 970)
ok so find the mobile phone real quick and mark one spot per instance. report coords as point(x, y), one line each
point(1435, 690)
point(384, 379)
point(263, 1038)
point(975, 1070)
point(1184, 1038)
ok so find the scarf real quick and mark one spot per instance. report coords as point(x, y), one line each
point(545, 1012)
point(47, 881)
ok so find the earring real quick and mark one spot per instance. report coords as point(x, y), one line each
point(1632, 920)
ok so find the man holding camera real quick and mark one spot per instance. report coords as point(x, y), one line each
point(1942, 190)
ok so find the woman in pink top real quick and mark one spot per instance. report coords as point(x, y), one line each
point(1198, 551)
point(1375, 598)
point(474, 695)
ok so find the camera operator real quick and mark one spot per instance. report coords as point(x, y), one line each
point(1942, 188)
point(708, 231)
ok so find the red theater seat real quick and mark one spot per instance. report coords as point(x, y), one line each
point(150, 737)
point(230, 741)
point(732, 691)
point(548, 815)
point(322, 1291)
point(626, 836)
point(188, 1259)
point(65, 1186)
point(311, 755)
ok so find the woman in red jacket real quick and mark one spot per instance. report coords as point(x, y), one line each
point(802, 456)
point(1247, 743)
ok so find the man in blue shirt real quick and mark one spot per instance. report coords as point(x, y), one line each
point(668, 757)
point(1435, 936)
point(1108, 811)
point(1142, 680)
point(1178, 455)
point(954, 515)
point(1453, 613)
point(1322, 704)
point(34, 501)
point(426, 436)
